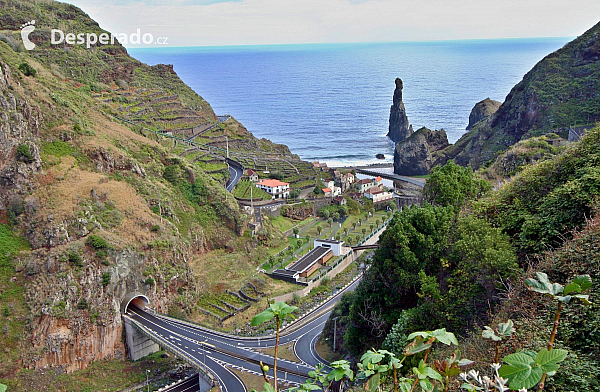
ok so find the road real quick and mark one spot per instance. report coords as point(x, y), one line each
point(216, 349)
point(235, 174)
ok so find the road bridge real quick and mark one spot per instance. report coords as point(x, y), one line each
point(214, 352)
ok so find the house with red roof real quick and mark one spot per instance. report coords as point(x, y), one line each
point(277, 189)
point(252, 175)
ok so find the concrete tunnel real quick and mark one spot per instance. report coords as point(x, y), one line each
point(137, 299)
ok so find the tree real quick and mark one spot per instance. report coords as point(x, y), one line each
point(319, 229)
point(364, 230)
point(326, 213)
point(353, 225)
point(345, 231)
point(280, 311)
point(371, 226)
point(295, 230)
point(330, 221)
point(336, 216)
point(452, 185)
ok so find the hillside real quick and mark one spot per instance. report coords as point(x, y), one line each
point(560, 91)
point(460, 262)
point(95, 203)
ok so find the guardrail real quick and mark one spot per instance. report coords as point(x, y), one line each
point(168, 346)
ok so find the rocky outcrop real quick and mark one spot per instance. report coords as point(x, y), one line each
point(399, 128)
point(76, 317)
point(418, 154)
point(559, 91)
point(482, 110)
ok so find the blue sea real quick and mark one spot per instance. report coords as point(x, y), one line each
point(331, 102)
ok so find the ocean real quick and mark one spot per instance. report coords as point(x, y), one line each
point(331, 102)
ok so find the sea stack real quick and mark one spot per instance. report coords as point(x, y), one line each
point(482, 110)
point(399, 129)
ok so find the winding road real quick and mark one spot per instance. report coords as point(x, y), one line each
point(217, 350)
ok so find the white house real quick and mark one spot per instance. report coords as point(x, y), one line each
point(277, 189)
point(378, 195)
point(252, 175)
point(366, 184)
point(335, 246)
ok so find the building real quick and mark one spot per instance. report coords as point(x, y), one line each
point(379, 181)
point(327, 192)
point(339, 200)
point(305, 266)
point(252, 175)
point(365, 184)
point(335, 246)
point(378, 195)
point(277, 189)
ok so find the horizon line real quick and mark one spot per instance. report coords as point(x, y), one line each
point(570, 38)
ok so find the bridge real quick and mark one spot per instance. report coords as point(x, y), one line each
point(365, 247)
point(214, 353)
point(420, 182)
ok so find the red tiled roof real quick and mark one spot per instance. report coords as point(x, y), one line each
point(374, 190)
point(325, 190)
point(250, 172)
point(378, 178)
point(272, 183)
point(365, 181)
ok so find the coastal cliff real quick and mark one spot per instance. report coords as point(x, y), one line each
point(399, 128)
point(558, 92)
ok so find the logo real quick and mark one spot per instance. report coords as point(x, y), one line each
point(27, 29)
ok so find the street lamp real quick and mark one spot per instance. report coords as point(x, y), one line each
point(147, 383)
point(202, 344)
point(334, 331)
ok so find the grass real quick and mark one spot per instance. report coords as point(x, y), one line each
point(12, 301)
point(325, 351)
point(242, 190)
point(286, 351)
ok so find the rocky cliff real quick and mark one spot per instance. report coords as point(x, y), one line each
point(482, 110)
point(417, 154)
point(560, 91)
point(399, 128)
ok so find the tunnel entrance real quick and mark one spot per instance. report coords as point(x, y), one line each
point(137, 299)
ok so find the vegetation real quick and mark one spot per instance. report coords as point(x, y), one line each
point(27, 69)
point(280, 311)
point(548, 200)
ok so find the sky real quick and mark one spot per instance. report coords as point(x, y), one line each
point(256, 22)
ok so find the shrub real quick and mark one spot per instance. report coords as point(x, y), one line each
point(149, 281)
point(105, 278)
point(23, 153)
point(82, 304)
point(27, 69)
point(171, 174)
point(96, 242)
point(74, 258)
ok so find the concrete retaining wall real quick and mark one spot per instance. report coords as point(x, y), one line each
point(138, 344)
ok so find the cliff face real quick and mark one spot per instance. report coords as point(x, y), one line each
point(482, 110)
point(399, 128)
point(560, 91)
point(416, 155)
